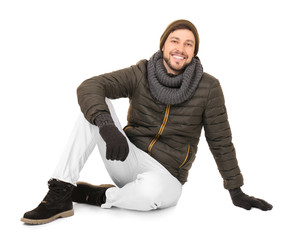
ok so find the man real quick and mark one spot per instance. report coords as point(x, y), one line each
point(171, 99)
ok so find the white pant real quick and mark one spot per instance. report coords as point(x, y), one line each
point(143, 183)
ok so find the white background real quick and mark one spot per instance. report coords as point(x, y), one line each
point(47, 48)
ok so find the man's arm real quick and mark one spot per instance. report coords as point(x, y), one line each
point(219, 138)
point(92, 92)
point(91, 98)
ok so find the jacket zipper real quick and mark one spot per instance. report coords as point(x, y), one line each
point(186, 157)
point(160, 130)
point(125, 128)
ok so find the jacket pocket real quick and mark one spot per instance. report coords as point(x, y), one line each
point(186, 158)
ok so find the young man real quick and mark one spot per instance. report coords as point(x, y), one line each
point(171, 99)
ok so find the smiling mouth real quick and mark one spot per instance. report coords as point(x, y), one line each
point(178, 57)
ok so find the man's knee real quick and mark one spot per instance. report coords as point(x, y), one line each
point(159, 189)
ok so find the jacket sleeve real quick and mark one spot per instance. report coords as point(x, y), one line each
point(219, 137)
point(92, 92)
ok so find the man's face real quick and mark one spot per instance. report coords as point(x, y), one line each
point(178, 50)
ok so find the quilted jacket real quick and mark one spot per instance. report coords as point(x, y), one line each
point(169, 133)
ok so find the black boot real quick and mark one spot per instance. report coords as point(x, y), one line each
point(90, 194)
point(57, 203)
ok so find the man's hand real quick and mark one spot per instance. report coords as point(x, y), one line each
point(240, 199)
point(116, 143)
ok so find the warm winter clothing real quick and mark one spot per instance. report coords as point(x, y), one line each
point(57, 203)
point(172, 89)
point(116, 144)
point(90, 194)
point(169, 133)
point(240, 199)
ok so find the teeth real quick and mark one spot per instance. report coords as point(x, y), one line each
point(178, 57)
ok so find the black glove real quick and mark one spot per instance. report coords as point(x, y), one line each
point(240, 199)
point(116, 143)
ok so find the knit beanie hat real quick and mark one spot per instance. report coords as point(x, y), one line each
point(180, 24)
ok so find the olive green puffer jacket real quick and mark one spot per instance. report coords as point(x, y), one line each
point(169, 133)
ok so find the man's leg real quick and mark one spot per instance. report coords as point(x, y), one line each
point(85, 136)
point(150, 190)
point(143, 184)
point(58, 201)
point(80, 145)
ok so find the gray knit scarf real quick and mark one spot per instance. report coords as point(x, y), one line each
point(172, 89)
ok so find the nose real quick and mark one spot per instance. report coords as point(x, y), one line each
point(180, 48)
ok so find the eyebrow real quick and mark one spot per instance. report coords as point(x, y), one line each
point(177, 38)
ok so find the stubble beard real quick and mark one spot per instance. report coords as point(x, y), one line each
point(178, 70)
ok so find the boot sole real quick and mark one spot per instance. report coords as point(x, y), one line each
point(47, 220)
